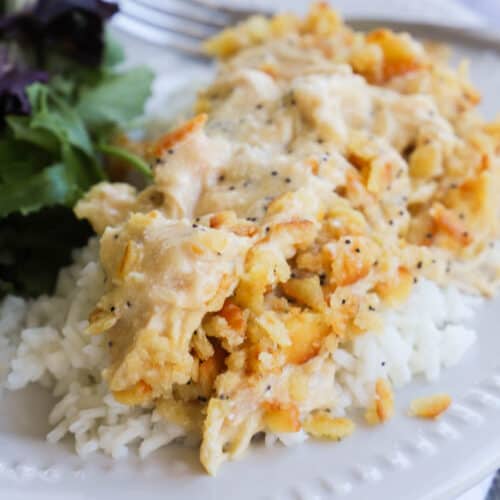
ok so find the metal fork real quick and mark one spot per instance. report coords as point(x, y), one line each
point(183, 24)
point(178, 24)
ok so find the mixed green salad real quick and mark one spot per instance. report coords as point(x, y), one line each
point(64, 99)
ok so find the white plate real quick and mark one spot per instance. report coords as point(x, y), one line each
point(406, 459)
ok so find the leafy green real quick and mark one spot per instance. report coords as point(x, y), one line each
point(72, 28)
point(19, 160)
point(133, 160)
point(116, 100)
point(65, 170)
point(51, 157)
point(52, 114)
point(22, 130)
point(113, 53)
point(87, 169)
point(53, 185)
point(33, 248)
point(14, 78)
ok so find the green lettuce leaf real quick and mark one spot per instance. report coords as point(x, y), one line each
point(118, 99)
point(19, 160)
point(56, 184)
point(113, 53)
point(33, 248)
point(50, 158)
point(52, 114)
point(22, 130)
point(136, 162)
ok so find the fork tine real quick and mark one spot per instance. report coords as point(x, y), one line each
point(197, 16)
point(157, 36)
point(179, 24)
point(235, 13)
point(209, 4)
point(165, 21)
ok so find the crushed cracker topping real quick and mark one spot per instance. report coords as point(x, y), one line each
point(323, 425)
point(430, 407)
point(382, 408)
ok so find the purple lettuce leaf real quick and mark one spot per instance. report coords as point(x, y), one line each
point(74, 28)
point(13, 82)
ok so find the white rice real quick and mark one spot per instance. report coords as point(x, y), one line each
point(44, 341)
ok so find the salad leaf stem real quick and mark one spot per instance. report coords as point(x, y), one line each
point(133, 160)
